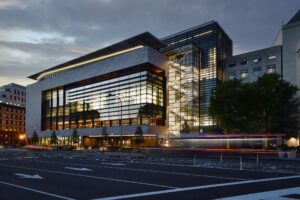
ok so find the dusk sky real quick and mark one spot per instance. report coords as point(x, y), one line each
point(39, 34)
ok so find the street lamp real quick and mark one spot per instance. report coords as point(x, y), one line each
point(113, 95)
point(22, 138)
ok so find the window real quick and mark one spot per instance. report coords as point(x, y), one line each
point(257, 71)
point(232, 65)
point(271, 57)
point(244, 62)
point(257, 60)
point(244, 73)
point(231, 75)
point(142, 95)
point(271, 69)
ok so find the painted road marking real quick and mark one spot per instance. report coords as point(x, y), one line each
point(216, 167)
point(36, 176)
point(36, 191)
point(89, 176)
point(265, 195)
point(146, 170)
point(195, 188)
point(78, 169)
point(114, 164)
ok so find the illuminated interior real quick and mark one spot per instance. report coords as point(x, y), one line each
point(184, 91)
point(84, 105)
point(195, 69)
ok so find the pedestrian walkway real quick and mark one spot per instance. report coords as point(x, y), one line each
point(283, 194)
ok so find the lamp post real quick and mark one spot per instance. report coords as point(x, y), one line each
point(113, 95)
point(22, 138)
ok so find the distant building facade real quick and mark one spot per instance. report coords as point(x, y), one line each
point(13, 94)
point(289, 38)
point(12, 114)
point(249, 66)
point(283, 57)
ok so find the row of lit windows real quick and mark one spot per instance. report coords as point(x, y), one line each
point(11, 109)
point(11, 121)
point(7, 128)
point(257, 71)
point(255, 60)
point(11, 116)
point(91, 106)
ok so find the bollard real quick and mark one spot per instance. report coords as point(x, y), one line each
point(257, 159)
point(194, 160)
point(241, 163)
point(221, 158)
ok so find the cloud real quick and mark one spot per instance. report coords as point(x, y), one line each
point(38, 34)
point(11, 3)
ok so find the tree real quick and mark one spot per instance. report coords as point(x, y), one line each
point(35, 137)
point(267, 105)
point(139, 138)
point(53, 139)
point(229, 105)
point(75, 137)
point(279, 106)
point(152, 111)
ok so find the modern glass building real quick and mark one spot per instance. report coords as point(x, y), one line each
point(162, 86)
point(105, 96)
point(196, 58)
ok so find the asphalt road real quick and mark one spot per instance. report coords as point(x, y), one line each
point(72, 175)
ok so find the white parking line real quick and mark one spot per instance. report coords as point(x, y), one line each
point(145, 170)
point(36, 191)
point(89, 176)
point(266, 195)
point(195, 188)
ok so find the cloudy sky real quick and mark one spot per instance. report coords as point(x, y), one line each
point(38, 34)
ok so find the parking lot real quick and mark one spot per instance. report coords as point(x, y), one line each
point(93, 175)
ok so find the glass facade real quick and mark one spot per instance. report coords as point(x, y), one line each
point(130, 97)
point(184, 74)
point(203, 63)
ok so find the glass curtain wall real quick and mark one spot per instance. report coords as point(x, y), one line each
point(137, 98)
point(213, 47)
point(183, 90)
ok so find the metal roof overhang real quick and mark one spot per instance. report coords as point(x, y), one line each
point(144, 39)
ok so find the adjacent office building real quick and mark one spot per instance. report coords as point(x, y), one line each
point(251, 65)
point(289, 38)
point(283, 57)
point(12, 114)
point(162, 85)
